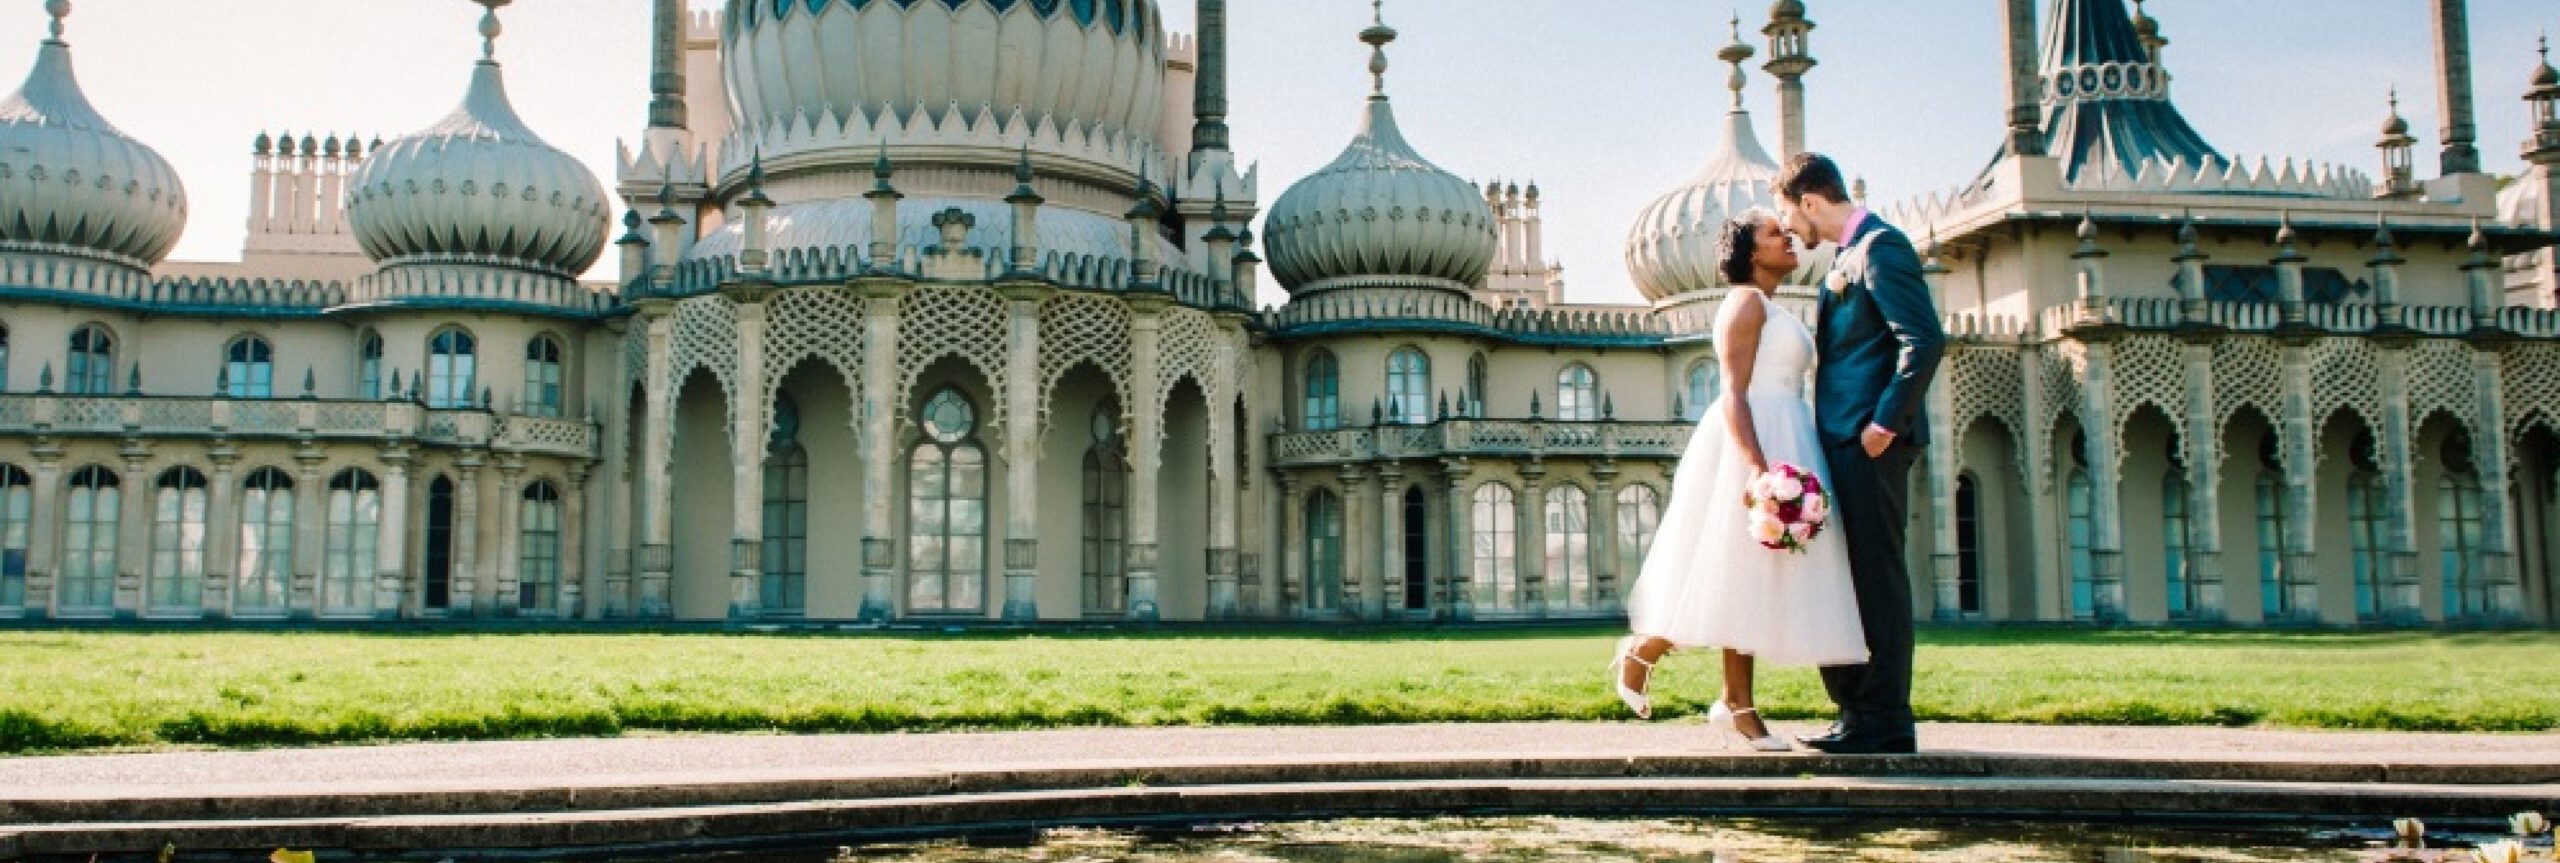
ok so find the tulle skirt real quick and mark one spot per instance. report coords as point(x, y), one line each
point(1707, 584)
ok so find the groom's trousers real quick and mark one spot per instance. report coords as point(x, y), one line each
point(1871, 497)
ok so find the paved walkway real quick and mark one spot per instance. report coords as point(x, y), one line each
point(735, 758)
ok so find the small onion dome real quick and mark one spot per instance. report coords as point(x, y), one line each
point(69, 182)
point(1786, 10)
point(479, 187)
point(1380, 215)
point(2546, 80)
point(1672, 250)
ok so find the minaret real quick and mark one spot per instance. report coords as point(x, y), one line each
point(2026, 87)
point(1790, 56)
point(666, 65)
point(1209, 85)
point(2147, 29)
point(2453, 71)
point(2542, 152)
point(2399, 176)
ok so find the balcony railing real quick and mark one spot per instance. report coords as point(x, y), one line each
point(2158, 313)
point(1481, 438)
point(292, 419)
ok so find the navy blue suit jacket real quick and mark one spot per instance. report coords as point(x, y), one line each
point(1878, 340)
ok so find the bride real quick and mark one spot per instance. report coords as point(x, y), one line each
point(1706, 583)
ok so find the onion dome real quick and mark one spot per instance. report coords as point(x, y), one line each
point(1089, 62)
point(479, 187)
point(1380, 215)
point(70, 184)
point(2397, 126)
point(1673, 248)
point(1786, 10)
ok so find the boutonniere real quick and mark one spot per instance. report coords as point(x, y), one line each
point(1837, 281)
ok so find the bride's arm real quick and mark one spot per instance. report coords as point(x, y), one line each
point(1737, 346)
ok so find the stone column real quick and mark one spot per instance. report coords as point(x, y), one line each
point(2106, 485)
point(133, 531)
point(463, 598)
point(747, 445)
point(1389, 597)
point(1146, 447)
point(1457, 593)
point(1604, 535)
point(310, 533)
point(879, 417)
point(2301, 476)
point(2489, 447)
point(2050, 574)
point(2453, 72)
point(2204, 475)
point(391, 559)
point(222, 533)
point(657, 490)
point(44, 540)
point(1945, 579)
point(573, 546)
point(1022, 450)
point(510, 565)
point(2398, 586)
point(1225, 599)
point(2026, 87)
point(1293, 549)
point(1533, 538)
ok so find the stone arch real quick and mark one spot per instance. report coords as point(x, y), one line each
point(829, 438)
point(699, 467)
point(942, 323)
point(1088, 330)
point(1182, 503)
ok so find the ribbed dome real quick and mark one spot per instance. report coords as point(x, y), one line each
point(1380, 215)
point(1672, 249)
point(1091, 62)
point(479, 187)
point(69, 182)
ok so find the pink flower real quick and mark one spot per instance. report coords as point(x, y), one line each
point(1786, 488)
point(1802, 531)
point(1816, 507)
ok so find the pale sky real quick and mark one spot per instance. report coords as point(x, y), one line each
point(1605, 103)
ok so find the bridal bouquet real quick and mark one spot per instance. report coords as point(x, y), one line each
point(1787, 508)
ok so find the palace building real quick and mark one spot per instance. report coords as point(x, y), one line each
point(945, 312)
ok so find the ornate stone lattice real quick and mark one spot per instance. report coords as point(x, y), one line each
point(2151, 370)
point(1079, 328)
point(1985, 382)
point(2530, 382)
point(2440, 379)
point(635, 357)
point(706, 337)
point(2061, 365)
point(937, 321)
point(2345, 374)
point(823, 323)
point(1189, 348)
point(2247, 372)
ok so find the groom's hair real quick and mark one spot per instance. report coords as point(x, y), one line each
point(1810, 174)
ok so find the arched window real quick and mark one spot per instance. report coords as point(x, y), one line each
point(947, 510)
point(1323, 393)
point(1639, 515)
point(349, 563)
point(1476, 382)
point(1496, 549)
point(453, 360)
point(1408, 386)
point(1702, 389)
point(178, 502)
point(1568, 547)
point(1577, 394)
point(17, 517)
point(1106, 516)
point(542, 364)
point(266, 542)
point(2084, 535)
point(1968, 545)
point(369, 366)
point(439, 551)
point(1324, 551)
point(2368, 521)
point(2176, 533)
point(785, 589)
point(2459, 532)
point(538, 572)
point(92, 366)
point(2273, 538)
point(249, 368)
point(88, 578)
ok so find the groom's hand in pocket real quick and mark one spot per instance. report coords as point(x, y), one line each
point(1876, 439)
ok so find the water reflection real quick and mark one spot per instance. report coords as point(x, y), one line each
point(1578, 840)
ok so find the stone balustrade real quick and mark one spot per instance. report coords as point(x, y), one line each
point(2158, 313)
point(1482, 438)
point(293, 419)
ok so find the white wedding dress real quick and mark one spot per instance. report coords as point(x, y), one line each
point(1706, 583)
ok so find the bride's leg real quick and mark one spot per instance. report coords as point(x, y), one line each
point(1737, 695)
point(1636, 675)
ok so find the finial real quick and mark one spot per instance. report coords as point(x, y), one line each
point(880, 168)
point(58, 9)
point(2284, 229)
point(490, 28)
point(1735, 55)
point(2479, 241)
point(310, 382)
point(2187, 235)
point(1022, 169)
point(755, 171)
point(1378, 36)
point(667, 201)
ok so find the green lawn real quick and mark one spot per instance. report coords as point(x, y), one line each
point(80, 690)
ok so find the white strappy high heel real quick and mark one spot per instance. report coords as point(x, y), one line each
point(1635, 699)
point(1721, 719)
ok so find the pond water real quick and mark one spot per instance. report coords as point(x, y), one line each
point(1584, 840)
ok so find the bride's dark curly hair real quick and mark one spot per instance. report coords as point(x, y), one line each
point(1735, 246)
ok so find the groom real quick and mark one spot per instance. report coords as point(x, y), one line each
point(1878, 341)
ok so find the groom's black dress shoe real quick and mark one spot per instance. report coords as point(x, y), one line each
point(1831, 734)
point(1856, 744)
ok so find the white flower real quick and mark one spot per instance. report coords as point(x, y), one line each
point(1838, 281)
point(1766, 530)
point(2410, 831)
point(2506, 851)
point(2529, 824)
point(1817, 508)
point(1786, 488)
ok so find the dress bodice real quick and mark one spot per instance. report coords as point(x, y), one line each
point(1785, 357)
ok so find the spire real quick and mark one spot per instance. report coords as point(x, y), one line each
point(2147, 29)
point(490, 28)
point(1378, 36)
point(1735, 55)
point(1790, 57)
point(666, 65)
point(2453, 73)
point(2399, 177)
point(57, 10)
point(1209, 85)
point(2107, 103)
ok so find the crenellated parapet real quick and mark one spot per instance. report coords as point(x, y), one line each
point(1424, 309)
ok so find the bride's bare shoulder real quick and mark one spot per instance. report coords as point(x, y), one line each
point(1743, 307)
